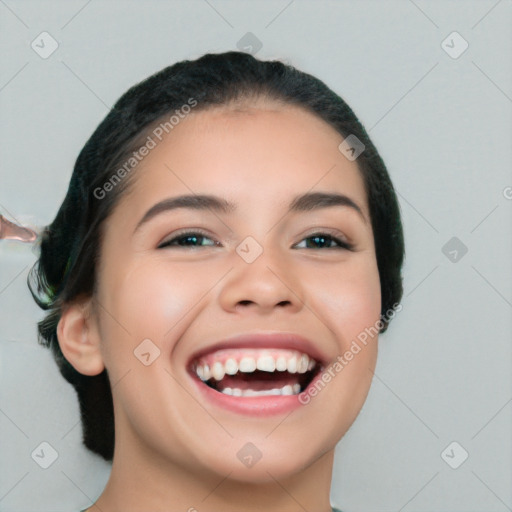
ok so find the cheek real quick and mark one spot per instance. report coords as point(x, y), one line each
point(347, 298)
point(147, 301)
point(151, 298)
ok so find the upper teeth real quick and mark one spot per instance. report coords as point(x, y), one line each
point(291, 361)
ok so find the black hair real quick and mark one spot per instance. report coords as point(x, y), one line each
point(69, 246)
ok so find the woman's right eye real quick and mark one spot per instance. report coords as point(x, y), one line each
point(188, 239)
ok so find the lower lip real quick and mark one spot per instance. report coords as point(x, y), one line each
point(268, 405)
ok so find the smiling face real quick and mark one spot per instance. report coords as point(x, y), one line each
point(190, 278)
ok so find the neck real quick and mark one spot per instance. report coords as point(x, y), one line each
point(143, 480)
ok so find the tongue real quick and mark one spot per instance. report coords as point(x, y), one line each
point(258, 382)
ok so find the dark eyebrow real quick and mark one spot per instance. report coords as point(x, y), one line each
point(303, 203)
point(318, 200)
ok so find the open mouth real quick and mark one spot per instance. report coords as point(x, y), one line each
point(245, 372)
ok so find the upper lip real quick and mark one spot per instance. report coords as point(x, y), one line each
point(262, 340)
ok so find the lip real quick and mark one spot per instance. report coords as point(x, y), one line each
point(261, 340)
point(258, 405)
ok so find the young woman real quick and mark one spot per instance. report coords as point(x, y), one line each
point(216, 278)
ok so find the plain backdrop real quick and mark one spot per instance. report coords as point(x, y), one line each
point(440, 115)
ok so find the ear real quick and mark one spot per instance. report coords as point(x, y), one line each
point(79, 339)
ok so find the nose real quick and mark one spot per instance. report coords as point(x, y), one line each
point(266, 284)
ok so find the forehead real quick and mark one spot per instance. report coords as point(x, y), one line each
point(257, 154)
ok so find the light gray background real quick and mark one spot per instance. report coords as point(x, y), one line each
point(443, 127)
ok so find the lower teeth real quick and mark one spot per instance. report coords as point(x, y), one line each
point(286, 390)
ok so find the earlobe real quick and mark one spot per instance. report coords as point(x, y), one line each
point(79, 339)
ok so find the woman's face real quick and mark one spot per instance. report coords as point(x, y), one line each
point(171, 305)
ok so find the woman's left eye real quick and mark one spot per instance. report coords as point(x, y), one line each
point(323, 241)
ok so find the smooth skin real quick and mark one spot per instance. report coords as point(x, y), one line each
point(174, 451)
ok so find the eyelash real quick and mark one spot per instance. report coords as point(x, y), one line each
point(187, 234)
